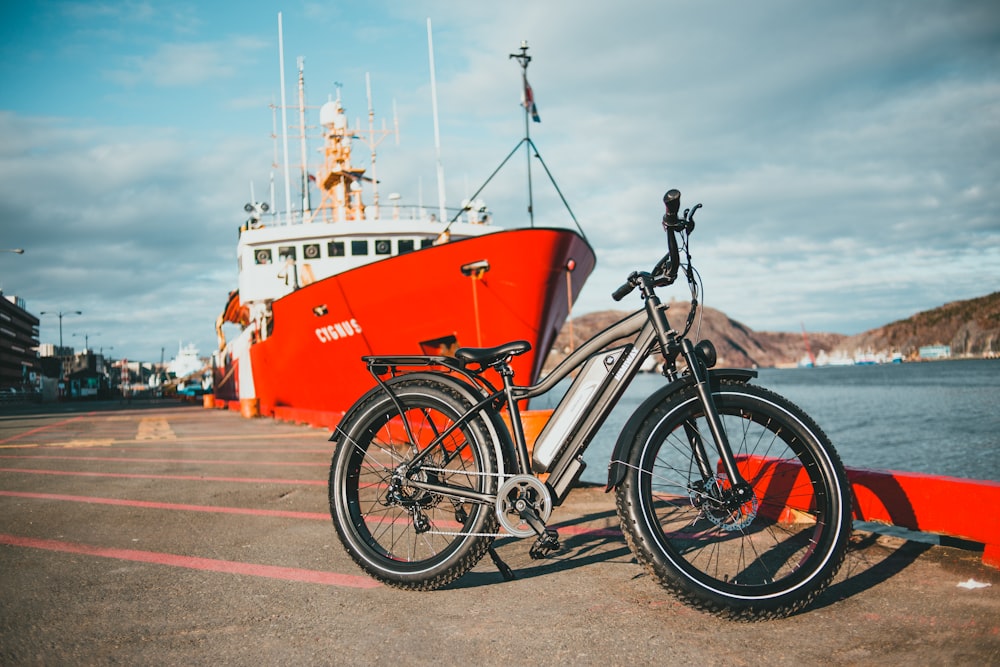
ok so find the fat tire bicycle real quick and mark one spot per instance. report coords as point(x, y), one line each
point(730, 495)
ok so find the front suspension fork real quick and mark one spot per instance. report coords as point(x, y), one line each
point(700, 374)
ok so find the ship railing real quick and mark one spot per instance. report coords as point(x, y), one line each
point(415, 213)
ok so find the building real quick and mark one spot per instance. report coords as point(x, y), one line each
point(935, 352)
point(19, 366)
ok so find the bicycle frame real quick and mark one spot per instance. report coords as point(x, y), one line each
point(604, 377)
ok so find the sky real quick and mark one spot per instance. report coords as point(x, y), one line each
point(847, 153)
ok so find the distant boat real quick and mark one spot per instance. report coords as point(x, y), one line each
point(324, 285)
point(838, 359)
point(186, 362)
point(865, 359)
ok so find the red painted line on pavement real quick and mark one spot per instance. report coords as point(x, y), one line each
point(41, 428)
point(126, 459)
point(187, 478)
point(199, 448)
point(194, 563)
point(287, 514)
point(582, 530)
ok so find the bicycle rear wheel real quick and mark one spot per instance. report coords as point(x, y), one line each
point(762, 557)
point(399, 534)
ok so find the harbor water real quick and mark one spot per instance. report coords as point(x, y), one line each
point(940, 418)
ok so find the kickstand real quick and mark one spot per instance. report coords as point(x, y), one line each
point(505, 571)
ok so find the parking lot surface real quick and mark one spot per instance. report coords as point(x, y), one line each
point(164, 533)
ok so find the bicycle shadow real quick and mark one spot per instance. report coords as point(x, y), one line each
point(869, 561)
point(582, 546)
point(864, 567)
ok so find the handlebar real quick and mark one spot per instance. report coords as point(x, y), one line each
point(665, 271)
point(672, 201)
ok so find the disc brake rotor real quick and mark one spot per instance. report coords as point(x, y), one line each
point(716, 503)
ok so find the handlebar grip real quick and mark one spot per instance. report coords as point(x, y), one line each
point(672, 200)
point(622, 292)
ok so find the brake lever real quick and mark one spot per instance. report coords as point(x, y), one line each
point(689, 218)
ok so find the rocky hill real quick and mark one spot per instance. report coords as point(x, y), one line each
point(737, 344)
point(970, 327)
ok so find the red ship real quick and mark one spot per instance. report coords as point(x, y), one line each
point(320, 287)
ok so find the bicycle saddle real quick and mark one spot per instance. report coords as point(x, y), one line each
point(487, 356)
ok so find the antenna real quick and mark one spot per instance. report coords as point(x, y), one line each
point(284, 121)
point(437, 131)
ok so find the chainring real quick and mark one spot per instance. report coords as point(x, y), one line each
point(518, 493)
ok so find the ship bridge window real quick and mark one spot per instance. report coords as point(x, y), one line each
point(426, 243)
point(262, 256)
point(359, 247)
point(335, 249)
point(286, 252)
point(405, 245)
point(310, 251)
point(383, 247)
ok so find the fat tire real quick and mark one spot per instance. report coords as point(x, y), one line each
point(770, 563)
point(378, 531)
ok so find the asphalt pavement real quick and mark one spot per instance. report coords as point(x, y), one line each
point(160, 532)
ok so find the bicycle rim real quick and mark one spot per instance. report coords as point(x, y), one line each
point(779, 548)
point(395, 531)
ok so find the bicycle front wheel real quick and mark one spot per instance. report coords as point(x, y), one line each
point(400, 534)
point(762, 556)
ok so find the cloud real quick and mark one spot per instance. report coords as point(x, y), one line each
point(185, 64)
point(139, 235)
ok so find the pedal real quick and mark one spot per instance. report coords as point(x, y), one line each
point(547, 543)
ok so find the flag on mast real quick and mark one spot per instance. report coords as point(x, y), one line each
point(529, 102)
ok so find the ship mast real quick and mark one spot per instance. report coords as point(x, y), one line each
point(375, 138)
point(529, 110)
point(306, 204)
point(523, 59)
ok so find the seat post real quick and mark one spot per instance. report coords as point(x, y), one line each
point(521, 447)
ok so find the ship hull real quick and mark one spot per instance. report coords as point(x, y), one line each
point(416, 303)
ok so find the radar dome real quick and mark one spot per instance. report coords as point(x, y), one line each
point(332, 113)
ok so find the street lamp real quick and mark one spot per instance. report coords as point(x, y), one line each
point(61, 314)
point(86, 340)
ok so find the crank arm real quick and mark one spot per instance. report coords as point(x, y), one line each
point(528, 515)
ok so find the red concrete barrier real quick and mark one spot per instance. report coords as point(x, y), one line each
point(951, 506)
point(962, 508)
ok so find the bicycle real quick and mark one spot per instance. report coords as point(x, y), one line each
point(729, 494)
